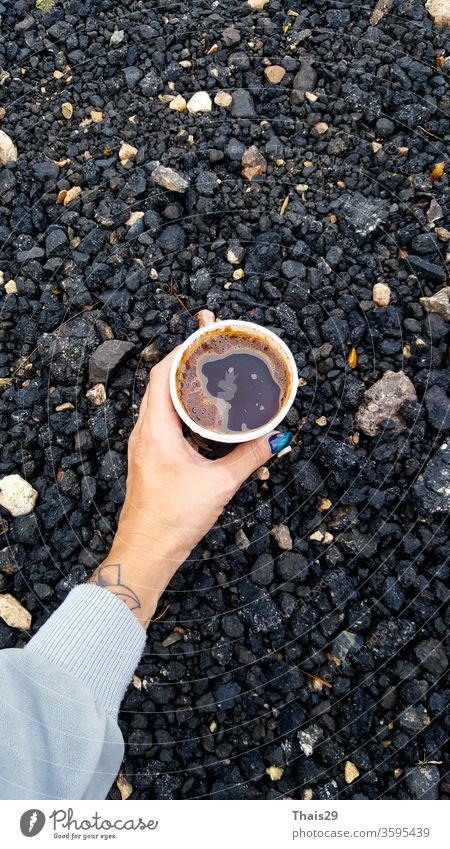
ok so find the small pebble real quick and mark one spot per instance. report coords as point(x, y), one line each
point(126, 152)
point(381, 294)
point(97, 394)
point(199, 102)
point(223, 99)
point(67, 110)
point(241, 539)
point(169, 179)
point(17, 495)
point(8, 150)
point(274, 73)
point(178, 104)
point(350, 772)
point(282, 536)
point(325, 504)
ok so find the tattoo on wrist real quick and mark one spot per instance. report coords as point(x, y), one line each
point(109, 576)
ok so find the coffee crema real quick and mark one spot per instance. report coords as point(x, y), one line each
point(231, 381)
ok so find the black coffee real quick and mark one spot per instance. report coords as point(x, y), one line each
point(232, 381)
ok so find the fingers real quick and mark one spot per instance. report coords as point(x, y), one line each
point(249, 456)
point(156, 401)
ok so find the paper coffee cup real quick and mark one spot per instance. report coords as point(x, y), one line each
point(249, 328)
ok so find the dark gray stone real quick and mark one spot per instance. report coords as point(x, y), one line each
point(132, 76)
point(432, 657)
point(432, 488)
point(429, 270)
point(242, 105)
point(304, 80)
point(107, 356)
point(422, 781)
point(230, 36)
point(438, 408)
point(56, 242)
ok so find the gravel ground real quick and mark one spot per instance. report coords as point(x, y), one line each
point(301, 661)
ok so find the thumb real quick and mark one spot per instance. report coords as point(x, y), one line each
point(249, 456)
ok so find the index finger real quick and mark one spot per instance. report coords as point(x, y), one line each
point(156, 397)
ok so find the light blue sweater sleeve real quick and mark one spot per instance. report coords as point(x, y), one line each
point(60, 696)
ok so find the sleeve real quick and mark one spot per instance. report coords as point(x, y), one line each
point(60, 697)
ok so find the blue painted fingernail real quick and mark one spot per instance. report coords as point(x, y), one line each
point(279, 441)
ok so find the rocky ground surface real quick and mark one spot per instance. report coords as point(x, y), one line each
point(273, 160)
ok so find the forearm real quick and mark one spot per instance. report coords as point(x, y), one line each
point(139, 567)
point(60, 699)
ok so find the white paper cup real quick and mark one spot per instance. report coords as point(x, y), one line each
point(249, 328)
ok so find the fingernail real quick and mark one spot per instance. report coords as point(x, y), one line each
point(279, 441)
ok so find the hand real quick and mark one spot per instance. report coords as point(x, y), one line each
point(173, 497)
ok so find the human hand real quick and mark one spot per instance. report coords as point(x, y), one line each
point(173, 497)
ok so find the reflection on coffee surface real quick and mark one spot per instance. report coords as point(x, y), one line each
point(232, 382)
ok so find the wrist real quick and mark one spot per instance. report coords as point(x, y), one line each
point(138, 568)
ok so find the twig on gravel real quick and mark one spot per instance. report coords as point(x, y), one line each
point(162, 614)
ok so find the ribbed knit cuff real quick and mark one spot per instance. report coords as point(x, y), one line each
point(95, 637)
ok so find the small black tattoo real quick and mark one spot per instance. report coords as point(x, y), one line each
point(109, 576)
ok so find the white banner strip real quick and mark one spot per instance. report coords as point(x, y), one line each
point(190, 824)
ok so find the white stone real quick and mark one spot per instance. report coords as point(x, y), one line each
point(8, 150)
point(17, 495)
point(11, 287)
point(117, 37)
point(199, 102)
point(439, 11)
point(381, 294)
point(256, 5)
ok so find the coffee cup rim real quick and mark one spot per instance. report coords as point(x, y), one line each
point(245, 436)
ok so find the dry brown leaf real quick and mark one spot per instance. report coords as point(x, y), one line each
point(61, 195)
point(352, 358)
point(333, 658)
point(317, 682)
point(284, 205)
point(162, 614)
point(437, 171)
point(124, 787)
point(61, 162)
point(13, 613)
